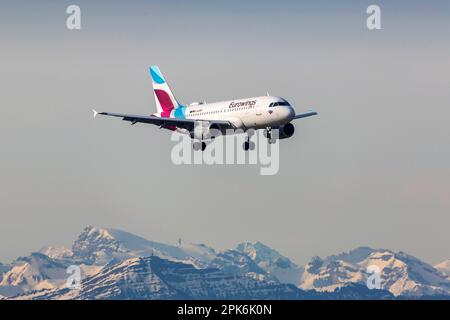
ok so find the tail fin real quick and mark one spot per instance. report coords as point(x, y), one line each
point(165, 100)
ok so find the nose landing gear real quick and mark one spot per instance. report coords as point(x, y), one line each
point(268, 135)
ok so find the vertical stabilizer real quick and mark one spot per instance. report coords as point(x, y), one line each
point(165, 99)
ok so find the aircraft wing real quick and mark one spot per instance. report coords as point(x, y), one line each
point(304, 115)
point(164, 122)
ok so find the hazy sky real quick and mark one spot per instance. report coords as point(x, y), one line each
point(372, 169)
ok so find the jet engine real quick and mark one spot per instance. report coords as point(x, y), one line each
point(285, 131)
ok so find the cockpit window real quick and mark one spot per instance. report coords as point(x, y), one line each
point(280, 103)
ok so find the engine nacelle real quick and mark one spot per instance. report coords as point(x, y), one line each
point(285, 131)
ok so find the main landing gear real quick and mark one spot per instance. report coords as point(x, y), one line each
point(199, 145)
point(249, 145)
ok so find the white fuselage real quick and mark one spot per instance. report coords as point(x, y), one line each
point(251, 113)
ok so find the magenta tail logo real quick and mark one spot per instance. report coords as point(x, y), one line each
point(165, 102)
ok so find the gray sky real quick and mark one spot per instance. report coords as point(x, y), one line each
point(372, 169)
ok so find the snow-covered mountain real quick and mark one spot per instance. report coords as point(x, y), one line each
point(156, 278)
point(34, 272)
point(444, 267)
point(272, 262)
point(400, 273)
point(102, 245)
point(107, 256)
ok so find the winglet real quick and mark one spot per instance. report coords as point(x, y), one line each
point(95, 112)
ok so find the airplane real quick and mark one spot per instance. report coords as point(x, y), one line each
point(200, 119)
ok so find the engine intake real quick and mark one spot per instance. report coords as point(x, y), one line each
point(287, 130)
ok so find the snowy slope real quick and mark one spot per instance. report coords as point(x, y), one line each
point(238, 263)
point(38, 271)
point(102, 245)
point(272, 262)
point(401, 274)
point(34, 272)
point(444, 267)
point(57, 252)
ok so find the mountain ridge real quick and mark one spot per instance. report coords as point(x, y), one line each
point(400, 273)
point(344, 274)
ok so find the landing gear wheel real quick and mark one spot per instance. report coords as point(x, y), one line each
point(197, 145)
point(249, 145)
